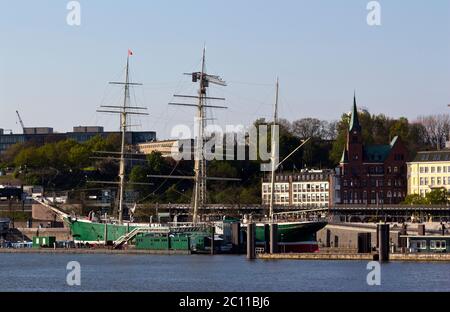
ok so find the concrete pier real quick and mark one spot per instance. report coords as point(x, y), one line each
point(357, 257)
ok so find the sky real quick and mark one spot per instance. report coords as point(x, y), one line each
point(322, 50)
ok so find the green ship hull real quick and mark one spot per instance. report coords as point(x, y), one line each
point(84, 231)
point(292, 236)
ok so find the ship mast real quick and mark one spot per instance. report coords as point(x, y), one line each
point(124, 111)
point(275, 163)
point(200, 176)
point(273, 152)
point(200, 162)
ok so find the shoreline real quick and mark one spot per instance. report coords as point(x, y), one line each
point(356, 257)
point(336, 256)
point(82, 251)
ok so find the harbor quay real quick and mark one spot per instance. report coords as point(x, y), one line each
point(421, 242)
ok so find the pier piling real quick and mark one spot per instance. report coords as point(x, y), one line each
point(213, 247)
point(266, 238)
point(236, 237)
point(383, 239)
point(273, 238)
point(251, 231)
point(421, 229)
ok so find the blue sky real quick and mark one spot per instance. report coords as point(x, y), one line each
point(57, 75)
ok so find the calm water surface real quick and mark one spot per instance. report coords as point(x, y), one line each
point(39, 272)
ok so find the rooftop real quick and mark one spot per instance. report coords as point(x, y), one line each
point(432, 156)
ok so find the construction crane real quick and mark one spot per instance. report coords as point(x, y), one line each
point(21, 121)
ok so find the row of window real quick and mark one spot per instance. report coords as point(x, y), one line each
point(304, 177)
point(310, 198)
point(439, 181)
point(297, 198)
point(284, 188)
point(373, 195)
point(434, 244)
point(373, 183)
point(434, 169)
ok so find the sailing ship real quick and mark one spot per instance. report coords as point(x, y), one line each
point(298, 235)
point(293, 236)
point(97, 231)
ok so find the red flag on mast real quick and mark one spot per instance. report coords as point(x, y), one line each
point(130, 52)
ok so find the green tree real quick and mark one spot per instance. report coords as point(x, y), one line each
point(437, 197)
point(415, 199)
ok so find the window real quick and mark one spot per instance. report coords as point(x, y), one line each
point(432, 181)
point(422, 169)
point(433, 169)
point(439, 169)
point(395, 169)
point(439, 245)
point(421, 244)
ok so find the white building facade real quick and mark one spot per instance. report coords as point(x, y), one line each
point(307, 189)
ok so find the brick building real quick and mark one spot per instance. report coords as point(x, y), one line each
point(372, 174)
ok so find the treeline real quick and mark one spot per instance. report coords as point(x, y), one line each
point(62, 165)
point(329, 138)
point(68, 165)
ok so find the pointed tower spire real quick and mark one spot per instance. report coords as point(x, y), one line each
point(354, 122)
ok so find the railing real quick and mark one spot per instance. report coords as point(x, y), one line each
point(129, 236)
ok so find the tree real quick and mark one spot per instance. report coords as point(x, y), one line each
point(415, 199)
point(437, 129)
point(308, 128)
point(437, 197)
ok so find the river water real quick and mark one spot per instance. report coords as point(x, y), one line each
point(46, 272)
